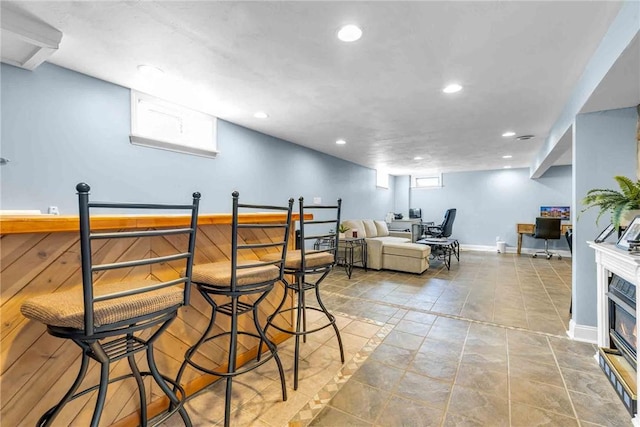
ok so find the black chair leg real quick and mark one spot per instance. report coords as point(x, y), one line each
point(102, 392)
point(272, 349)
point(332, 319)
point(52, 413)
point(141, 388)
point(270, 318)
point(231, 366)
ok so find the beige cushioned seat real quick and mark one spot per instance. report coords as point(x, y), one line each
point(294, 259)
point(219, 273)
point(66, 308)
point(412, 250)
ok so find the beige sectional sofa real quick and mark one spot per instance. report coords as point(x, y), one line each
point(389, 250)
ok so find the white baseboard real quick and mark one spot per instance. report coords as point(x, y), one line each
point(582, 332)
point(510, 250)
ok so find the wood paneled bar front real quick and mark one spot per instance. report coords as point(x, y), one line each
point(41, 254)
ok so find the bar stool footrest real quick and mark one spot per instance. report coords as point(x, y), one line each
point(268, 356)
point(332, 321)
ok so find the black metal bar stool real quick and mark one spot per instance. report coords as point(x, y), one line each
point(302, 264)
point(106, 320)
point(242, 284)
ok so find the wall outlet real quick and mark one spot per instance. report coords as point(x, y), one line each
point(497, 238)
point(317, 200)
point(53, 210)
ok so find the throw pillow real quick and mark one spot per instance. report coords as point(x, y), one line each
point(382, 228)
point(370, 228)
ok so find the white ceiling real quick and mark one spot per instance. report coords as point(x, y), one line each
point(518, 62)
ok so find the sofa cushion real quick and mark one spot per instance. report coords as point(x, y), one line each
point(382, 228)
point(411, 250)
point(369, 228)
point(354, 224)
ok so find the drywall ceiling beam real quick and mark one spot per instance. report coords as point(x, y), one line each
point(621, 33)
point(26, 41)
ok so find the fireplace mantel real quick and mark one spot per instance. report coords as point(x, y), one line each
point(610, 259)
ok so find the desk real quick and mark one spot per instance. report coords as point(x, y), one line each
point(530, 228)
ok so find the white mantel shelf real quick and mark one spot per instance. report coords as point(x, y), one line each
point(611, 259)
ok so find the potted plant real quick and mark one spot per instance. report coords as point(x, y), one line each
point(620, 204)
point(341, 230)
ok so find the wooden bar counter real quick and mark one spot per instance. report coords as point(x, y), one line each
point(41, 254)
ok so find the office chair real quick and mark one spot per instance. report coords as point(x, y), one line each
point(547, 229)
point(445, 229)
point(112, 320)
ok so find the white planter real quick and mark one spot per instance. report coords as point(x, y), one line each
point(627, 216)
point(341, 235)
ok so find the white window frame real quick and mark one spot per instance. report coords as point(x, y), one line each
point(205, 145)
point(382, 179)
point(436, 184)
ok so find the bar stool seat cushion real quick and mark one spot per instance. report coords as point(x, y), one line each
point(219, 273)
point(66, 309)
point(294, 259)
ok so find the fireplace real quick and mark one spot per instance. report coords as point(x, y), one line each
point(619, 360)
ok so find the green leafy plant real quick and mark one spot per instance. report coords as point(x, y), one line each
point(615, 202)
point(343, 228)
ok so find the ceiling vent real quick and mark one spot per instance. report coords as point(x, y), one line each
point(26, 41)
point(525, 137)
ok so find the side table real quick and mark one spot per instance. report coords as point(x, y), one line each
point(351, 251)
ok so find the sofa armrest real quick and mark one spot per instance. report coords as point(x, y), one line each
point(405, 234)
point(374, 253)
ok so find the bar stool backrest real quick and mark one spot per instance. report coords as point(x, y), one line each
point(248, 242)
point(322, 228)
point(88, 248)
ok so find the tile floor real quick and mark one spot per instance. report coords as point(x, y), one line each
point(483, 344)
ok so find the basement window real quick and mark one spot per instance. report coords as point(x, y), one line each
point(382, 179)
point(161, 124)
point(428, 181)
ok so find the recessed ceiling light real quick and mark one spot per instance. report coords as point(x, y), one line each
point(417, 158)
point(507, 167)
point(525, 137)
point(508, 134)
point(349, 33)
point(452, 88)
point(150, 70)
point(260, 115)
point(341, 142)
point(508, 156)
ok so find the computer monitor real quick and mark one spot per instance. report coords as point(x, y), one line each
point(415, 213)
point(562, 212)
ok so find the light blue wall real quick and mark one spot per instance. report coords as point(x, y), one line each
point(60, 127)
point(604, 145)
point(490, 203)
point(401, 203)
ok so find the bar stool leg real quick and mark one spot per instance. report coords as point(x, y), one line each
point(270, 318)
point(52, 413)
point(270, 346)
point(231, 366)
point(332, 319)
point(141, 388)
point(299, 325)
point(102, 392)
